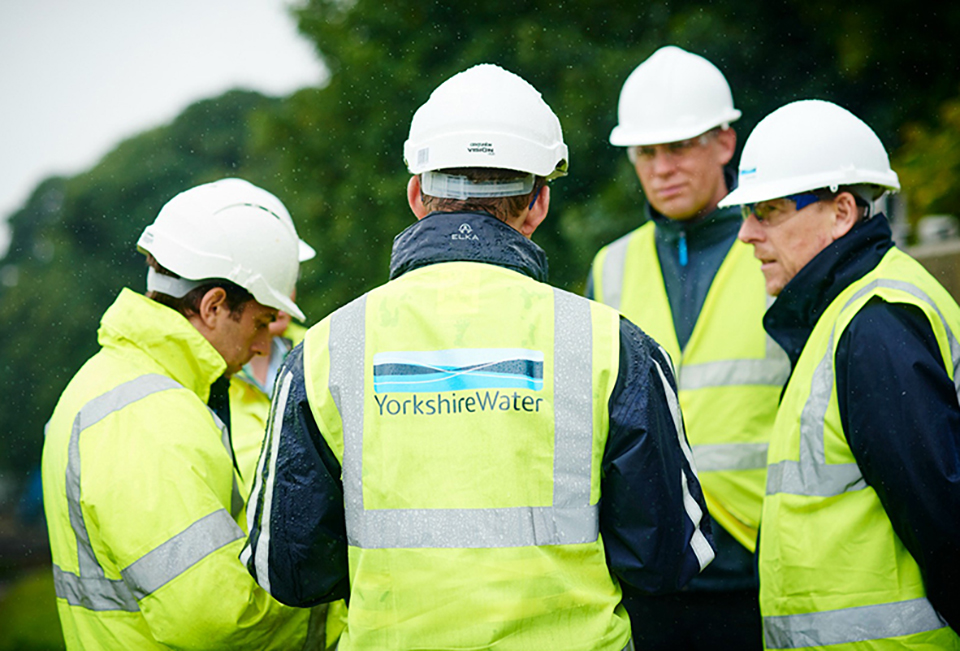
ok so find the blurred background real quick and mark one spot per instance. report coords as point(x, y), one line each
point(111, 108)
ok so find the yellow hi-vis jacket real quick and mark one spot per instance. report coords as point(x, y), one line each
point(833, 573)
point(729, 375)
point(475, 457)
point(141, 499)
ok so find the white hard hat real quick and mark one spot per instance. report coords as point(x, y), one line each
point(486, 117)
point(674, 95)
point(233, 190)
point(808, 145)
point(200, 238)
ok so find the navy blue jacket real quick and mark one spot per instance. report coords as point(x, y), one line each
point(898, 406)
point(645, 522)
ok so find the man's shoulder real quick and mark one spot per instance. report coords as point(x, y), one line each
point(111, 382)
point(644, 230)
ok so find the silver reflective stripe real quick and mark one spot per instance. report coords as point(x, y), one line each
point(698, 541)
point(612, 273)
point(93, 593)
point(347, 342)
point(572, 404)
point(89, 415)
point(274, 431)
point(570, 519)
point(475, 528)
point(730, 456)
point(814, 480)
point(771, 371)
point(849, 625)
point(919, 293)
point(812, 475)
point(178, 554)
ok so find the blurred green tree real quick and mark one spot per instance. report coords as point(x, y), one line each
point(73, 248)
point(334, 154)
point(929, 163)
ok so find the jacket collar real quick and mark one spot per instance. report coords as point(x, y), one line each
point(165, 336)
point(466, 237)
point(703, 231)
point(706, 230)
point(791, 318)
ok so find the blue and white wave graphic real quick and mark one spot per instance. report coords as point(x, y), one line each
point(458, 369)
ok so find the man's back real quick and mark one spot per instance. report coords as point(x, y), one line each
point(473, 463)
point(481, 425)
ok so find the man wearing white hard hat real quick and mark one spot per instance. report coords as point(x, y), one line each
point(859, 537)
point(477, 459)
point(686, 281)
point(140, 490)
point(250, 387)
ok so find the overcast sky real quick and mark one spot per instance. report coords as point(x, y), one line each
point(79, 77)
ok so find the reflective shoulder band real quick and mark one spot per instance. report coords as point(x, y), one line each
point(446, 186)
point(175, 287)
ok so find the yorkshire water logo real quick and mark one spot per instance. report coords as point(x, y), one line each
point(465, 232)
point(460, 380)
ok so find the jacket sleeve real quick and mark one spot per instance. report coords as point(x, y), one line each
point(653, 518)
point(297, 546)
point(163, 508)
point(901, 417)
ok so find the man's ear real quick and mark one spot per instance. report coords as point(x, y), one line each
point(847, 214)
point(537, 212)
point(415, 197)
point(212, 307)
point(727, 139)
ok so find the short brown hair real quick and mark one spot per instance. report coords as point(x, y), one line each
point(863, 206)
point(503, 208)
point(189, 304)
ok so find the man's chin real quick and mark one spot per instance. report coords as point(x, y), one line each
point(233, 369)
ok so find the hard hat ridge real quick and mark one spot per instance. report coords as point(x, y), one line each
point(228, 191)
point(487, 117)
point(199, 238)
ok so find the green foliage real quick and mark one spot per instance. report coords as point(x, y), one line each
point(929, 163)
point(28, 614)
point(73, 248)
point(334, 155)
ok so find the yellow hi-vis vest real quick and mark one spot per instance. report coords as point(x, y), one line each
point(729, 374)
point(468, 406)
point(832, 570)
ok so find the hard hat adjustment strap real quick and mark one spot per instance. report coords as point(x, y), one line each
point(175, 287)
point(447, 186)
